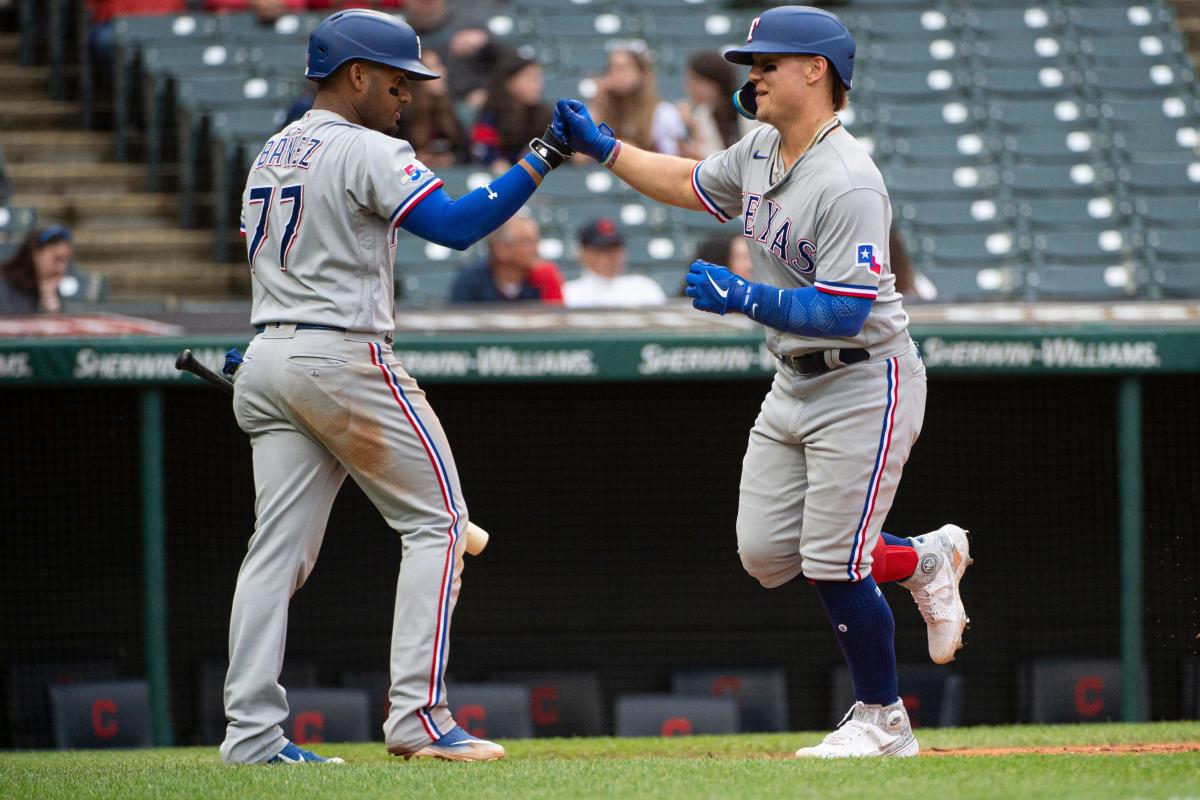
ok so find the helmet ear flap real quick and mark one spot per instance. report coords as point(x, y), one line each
point(745, 102)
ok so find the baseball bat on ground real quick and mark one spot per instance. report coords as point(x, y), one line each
point(477, 537)
point(188, 363)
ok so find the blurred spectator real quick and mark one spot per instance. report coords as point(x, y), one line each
point(430, 123)
point(708, 115)
point(5, 184)
point(461, 38)
point(627, 99)
point(604, 283)
point(29, 279)
point(101, 39)
point(909, 282)
point(512, 269)
point(266, 11)
point(514, 113)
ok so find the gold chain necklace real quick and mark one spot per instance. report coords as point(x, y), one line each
point(777, 162)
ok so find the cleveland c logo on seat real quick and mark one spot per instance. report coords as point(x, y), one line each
point(753, 27)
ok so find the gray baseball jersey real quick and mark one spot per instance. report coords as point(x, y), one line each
point(320, 212)
point(823, 223)
point(826, 453)
point(321, 207)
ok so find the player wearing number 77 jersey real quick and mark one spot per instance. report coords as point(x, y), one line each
point(825, 455)
point(321, 395)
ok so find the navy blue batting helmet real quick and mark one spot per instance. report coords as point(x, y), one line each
point(361, 35)
point(799, 30)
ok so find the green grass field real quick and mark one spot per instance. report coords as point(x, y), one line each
point(751, 766)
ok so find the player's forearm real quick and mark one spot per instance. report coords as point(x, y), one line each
point(667, 179)
point(805, 311)
point(460, 223)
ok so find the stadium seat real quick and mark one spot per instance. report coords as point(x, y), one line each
point(283, 59)
point(1082, 247)
point(1175, 245)
point(1013, 114)
point(27, 706)
point(946, 149)
point(1033, 49)
point(500, 710)
point(113, 714)
point(969, 250)
point(1053, 146)
point(1011, 19)
point(1156, 80)
point(1116, 281)
point(714, 29)
point(327, 715)
point(675, 715)
point(197, 99)
point(939, 183)
point(908, 54)
point(1161, 178)
point(1176, 280)
point(1026, 83)
point(1136, 50)
point(1117, 19)
point(1161, 144)
point(949, 216)
point(164, 63)
point(1080, 179)
point(561, 703)
point(16, 221)
point(761, 694)
point(914, 22)
point(237, 137)
point(245, 27)
point(1150, 112)
point(918, 86)
point(1167, 211)
point(967, 284)
point(1071, 213)
point(927, 117)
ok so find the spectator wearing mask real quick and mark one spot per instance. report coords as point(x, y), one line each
point(29, 279)
point(604, 282)
point(512, 270)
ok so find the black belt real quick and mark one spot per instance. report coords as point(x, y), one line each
point(824, 360)
point(300, 326)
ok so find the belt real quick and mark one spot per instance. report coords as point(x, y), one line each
point(824, 360)
point(300, 326)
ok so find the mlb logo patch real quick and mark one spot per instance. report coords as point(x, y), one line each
point(865, 257)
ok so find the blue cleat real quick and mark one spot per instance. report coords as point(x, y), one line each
point(458, 745)
point(291, 754)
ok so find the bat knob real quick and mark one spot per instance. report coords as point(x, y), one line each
point(182, 359)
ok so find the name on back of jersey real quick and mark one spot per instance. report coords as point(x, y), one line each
point(290, 149)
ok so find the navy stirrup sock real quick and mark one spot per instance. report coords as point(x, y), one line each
point(896, 541)
point(863, 624)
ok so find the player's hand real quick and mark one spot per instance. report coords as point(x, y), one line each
point(714, 288)
point(573, 124)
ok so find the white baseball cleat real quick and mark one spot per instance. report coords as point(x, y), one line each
point(868, 731)
point(458, 745)
point(942, 558)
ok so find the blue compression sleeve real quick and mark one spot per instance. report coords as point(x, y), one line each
point(805, 311)
point(461, 223)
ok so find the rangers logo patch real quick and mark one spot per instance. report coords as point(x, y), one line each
point(865, 257)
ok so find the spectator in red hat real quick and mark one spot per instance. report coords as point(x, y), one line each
point(604, 282)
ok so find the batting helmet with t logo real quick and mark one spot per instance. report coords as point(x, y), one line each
point(797, 30)
point(361, 35)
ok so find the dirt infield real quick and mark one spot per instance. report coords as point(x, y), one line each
point(1068, 750)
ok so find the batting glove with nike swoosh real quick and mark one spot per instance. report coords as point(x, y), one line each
point(715, 289)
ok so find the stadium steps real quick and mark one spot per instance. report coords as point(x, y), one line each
point(1188, 19)
point(25, 83)
point(22, 114)
point(163, 245)
point(48, 177)
point(68, 146)
point(196, 280)
point(91, 209)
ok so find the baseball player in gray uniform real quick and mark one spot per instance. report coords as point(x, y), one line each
point(825, 455)
point(322, 396)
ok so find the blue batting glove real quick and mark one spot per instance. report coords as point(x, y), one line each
point(715, 289)
point(572, 118)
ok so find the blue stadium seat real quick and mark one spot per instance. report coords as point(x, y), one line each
point(1011, 19)
point(1027, 83)
point(967, 283)
point(919, 86)
point(911, 21)
point(1082, 247)
point(939, 183)
point(1176, 280)
point(1168, 211)
point(1071, 213)
point(1014, 114)
point(924, 117)
point(951, 216)
point(16, 221)
point(1032, 49)
point(1057, 147)
point(1160, 179)
point(935, 149)
point(1163, 144)
point(1098, 19)
point(1139, 113)
point(907, 54)
point(285, 59)
point(1175, 245)
point(957, 250)
point(1081, 282)
point(1139, 49)
point(1077, 180)
point(245, 27)
point(1157, 80)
